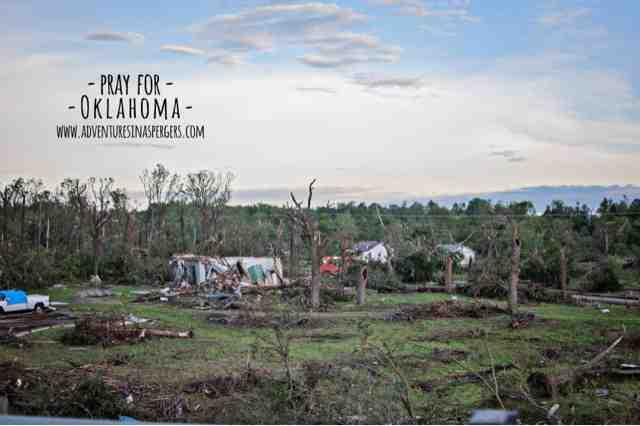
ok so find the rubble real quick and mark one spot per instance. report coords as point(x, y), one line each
point(111, 330)
point(522, 320)
point(18, 325)
point(197, 270)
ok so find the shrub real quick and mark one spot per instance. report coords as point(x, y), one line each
point(606, 276)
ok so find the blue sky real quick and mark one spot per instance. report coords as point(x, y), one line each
point(382, 98)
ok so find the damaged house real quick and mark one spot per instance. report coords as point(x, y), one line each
point(467, 255)
point(371, 251)
point(195, 269)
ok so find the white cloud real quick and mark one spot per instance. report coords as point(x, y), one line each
point(225, 59)
point(438, 32)
point(113, 36)
point(325, 90)
point(399, 82)
point(510, 155)
point(321, 29)
point(564, 17)
point(445, 9)
point(275, 136)
point(183, 50)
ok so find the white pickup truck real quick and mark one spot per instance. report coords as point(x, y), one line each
point(17, 300)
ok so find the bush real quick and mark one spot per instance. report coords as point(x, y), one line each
point(606, 276)
point(381, 278)
point(418, 267)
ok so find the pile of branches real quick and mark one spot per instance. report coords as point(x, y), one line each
point(218, 386)
point(300, 297)
point(250, 319)
point(446, 309)
point(111, 330)
point(55, 393)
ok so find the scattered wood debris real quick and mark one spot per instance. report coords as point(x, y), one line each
point(522, 319)
point(543, 384)
point(19, 325)
point(446, 309)
point(110, 330)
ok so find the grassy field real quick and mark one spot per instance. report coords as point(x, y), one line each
point(349, 364)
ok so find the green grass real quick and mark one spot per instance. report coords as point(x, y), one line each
point(220, 349)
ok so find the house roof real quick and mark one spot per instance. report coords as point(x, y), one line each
point(454, 248)
point(363, 246)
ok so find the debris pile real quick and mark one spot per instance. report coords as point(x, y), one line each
point(446, 309)
point(225, 273)
point(19, 325)
point(111, 330)
point(32, 391)
point(300, 296)
point(218, 386)
point(249, 318)
point(522, 319)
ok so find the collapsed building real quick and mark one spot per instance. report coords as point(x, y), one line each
point(196, 270)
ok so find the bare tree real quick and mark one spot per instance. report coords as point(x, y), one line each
point(160, 189)
point(210, 192)
point(75, 194)
point(310, 229)
point(100, 211)
point(363, 280)
point(448, 275)
point(515, 266)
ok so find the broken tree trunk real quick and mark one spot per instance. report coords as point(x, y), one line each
point(448, 278)
point(310, 228)
point(563, 270)
point(166, 333)
point(545, 385)
point(362, 285)
point(515, 269)
point(292, 251)
point(315, 270)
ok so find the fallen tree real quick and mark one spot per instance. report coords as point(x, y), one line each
point(107, 331)
point(549, 385)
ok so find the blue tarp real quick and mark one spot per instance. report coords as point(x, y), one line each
point(14, 297)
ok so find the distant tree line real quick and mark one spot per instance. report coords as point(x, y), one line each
point(81, 228)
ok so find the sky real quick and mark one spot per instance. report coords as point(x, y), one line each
point(377, 99)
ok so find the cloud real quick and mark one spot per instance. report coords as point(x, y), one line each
point(444, 9)
point(322, 30)
point(225, 59)
point(112, 36)
point(566, 17)
point(438, 32)
point(183, 50)
point(217, 56)
point(517, 159)
point(342, 60)
point(376, 82)
point(347, 48)
point(510, 155)
point(317, 89)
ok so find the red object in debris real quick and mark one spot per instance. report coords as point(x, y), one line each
point(330, 265)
